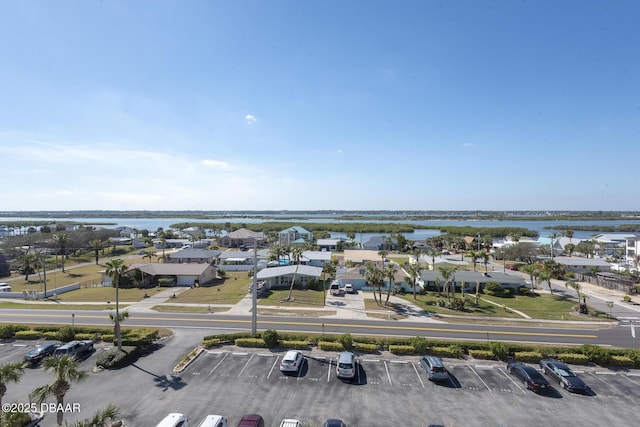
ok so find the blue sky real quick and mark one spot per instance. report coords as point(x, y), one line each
point(251, 105)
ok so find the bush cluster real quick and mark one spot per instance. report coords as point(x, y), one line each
point(296, 345)
point(250, 342)
point(114, 358)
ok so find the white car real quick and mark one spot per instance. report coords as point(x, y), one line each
point(292, 361)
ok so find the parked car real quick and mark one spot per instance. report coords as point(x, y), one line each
point(434, 367)
point(531, 377)
point(39, 352)
point(334, 422)
point(213, 421)
point(174, 419)
point(335, 289)
point(292, 361)
point(346, 365)
point(348, 288)
point(290, 423)
point(251, 420)
point(74, 348)
point(564, 375)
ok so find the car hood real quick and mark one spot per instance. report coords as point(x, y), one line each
point(574, 381)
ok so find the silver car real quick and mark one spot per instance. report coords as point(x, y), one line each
point(292, 361)
point(346, 365)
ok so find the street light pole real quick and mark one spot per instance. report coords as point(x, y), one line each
point(254, 292)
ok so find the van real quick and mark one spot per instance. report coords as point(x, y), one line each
point(213, 421)
point(174, 419)
point(290, 423)
point(434, 368)
point(5, 287)
point(335, 288)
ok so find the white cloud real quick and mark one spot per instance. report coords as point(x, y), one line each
point(217, 164)
point(339, 151)
point(469, 145)
point(250, 119)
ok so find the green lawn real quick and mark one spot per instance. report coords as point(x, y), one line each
point(301, 298)
point(225, 291)
point(61, 306)
point(429, 303)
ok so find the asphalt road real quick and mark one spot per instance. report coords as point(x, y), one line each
point(607, 335)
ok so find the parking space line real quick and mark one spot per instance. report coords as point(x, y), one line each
point(386, 368)
point(245, 365)
point(275, 362)
point(511, 379)
point(399, 361)
point(629, 379)
point(604, 373)
point(265, 354)
point(370, 360)
point(218, 364)
point(480, 378)
point(418, 374)
point(236, 353)
point(329, 371)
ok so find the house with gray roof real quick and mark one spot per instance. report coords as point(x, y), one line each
point(281, 277)
point(583, 265)
point(295, 236)
point(191, 255)
point(242, 238)
point(316, 258)
point(431, 278)
point(183, 274)
point(329, 244)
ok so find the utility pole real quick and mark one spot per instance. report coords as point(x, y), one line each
point(254, 292)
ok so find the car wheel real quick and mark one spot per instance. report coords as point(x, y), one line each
point(510, 370)
point(563, 385)
point(526, 385)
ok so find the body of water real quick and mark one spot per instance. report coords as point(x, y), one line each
point(152, 224)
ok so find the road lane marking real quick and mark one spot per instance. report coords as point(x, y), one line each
point(417, 373)
point(275, 362)
point(480, 378)
point(512, 380)
point(218, 364)
point(386, 368)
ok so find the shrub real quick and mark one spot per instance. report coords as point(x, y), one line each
point(50, 335)
point(66, 334)
point(330, 346)
point(482, 354)
point(28, 335)
point(621, 361)
point(297, 345)
point(270, 338)
point(500, 350)
point(114, 358)
point(445, 352)
point(573, 358)
point(365, 348)
point(108, 337)
point(250, 342)
point(596, 354)
point(401, 349)
point(9, 330)
point(527, 356)
point(492, 288)
point(85, 336)
point(420, 345)
point(347, 341)
point(211, 342)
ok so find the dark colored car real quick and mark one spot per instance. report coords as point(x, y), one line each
point(564, 375)
point(39, 352)
point(531, 377)
point(251, 420)
point(334, 422)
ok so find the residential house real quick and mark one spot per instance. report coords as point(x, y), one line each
point(316, 258)
point(379, 243)
point(171, 243)
point(357, 256)
point(583, 265)
point(329, 244)
point(242, 260)
point(430, 278)
point(192, 255)
point(242, 238)
point(187, 274)
point(356, 277)
point(281, 277)
point(295, 236)
point(632, 249)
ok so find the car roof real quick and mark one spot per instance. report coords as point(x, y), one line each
point(345, 355)
point(291, 354)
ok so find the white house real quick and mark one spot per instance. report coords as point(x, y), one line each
point(632, 248)
point(281, 277)
point(295, 236)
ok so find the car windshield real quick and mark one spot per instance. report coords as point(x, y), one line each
point(565, 372)
point(345, 365)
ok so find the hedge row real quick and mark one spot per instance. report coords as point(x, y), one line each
point(587, 353)
point(130, 337)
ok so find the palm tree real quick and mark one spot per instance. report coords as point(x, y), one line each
point(530, 269)
point(27, 264)
point(474, 258)
point(100, 418)
point(485, 259)
point(296, 254)
point(413, 270)
point(553, 236)
point(375, 277)
point(148, 254)
point(115, 269)
point(569, 234)
point(390, 273)
point(96, 245)
point(9, 373)
point(582, 307)
point(545, 276)
point(66, 371)
point(61, 242)
point(448, 275)
point(329, 272)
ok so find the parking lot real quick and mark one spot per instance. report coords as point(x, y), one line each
point(387, 389)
